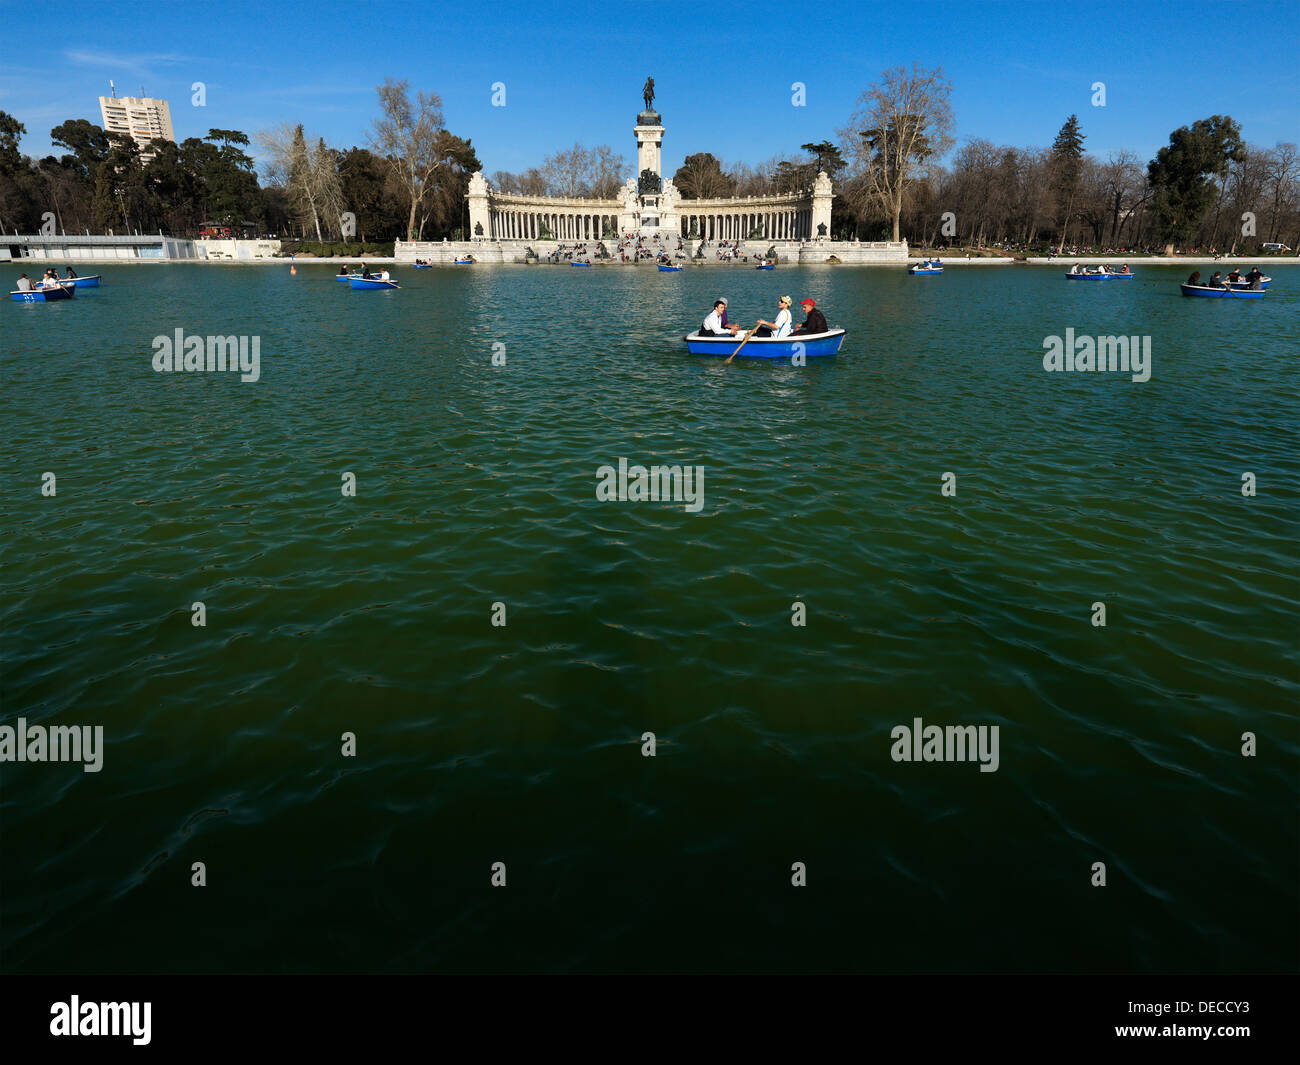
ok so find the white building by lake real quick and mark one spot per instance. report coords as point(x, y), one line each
point(796, 225)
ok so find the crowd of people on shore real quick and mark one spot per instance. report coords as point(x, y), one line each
point(50, 279)
point(716, 325)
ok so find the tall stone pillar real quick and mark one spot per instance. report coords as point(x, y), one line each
point(480, 218)
point(821, 208)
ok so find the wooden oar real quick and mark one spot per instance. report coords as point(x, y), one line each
point(742, 344)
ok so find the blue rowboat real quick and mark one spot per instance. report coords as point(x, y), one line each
point(345, 277)
point(764, 266)
point(1205, 292)
point(372, 282)
point(65, 291)
point(575, 262)
point(83, 282)
point(1100, 277)
point(813, 344)
point(464, 262)
point(669, 269)
point(1244, 286)
point(423, 266)
point(925, 270)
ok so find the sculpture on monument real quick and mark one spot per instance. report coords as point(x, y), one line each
point(649, 92)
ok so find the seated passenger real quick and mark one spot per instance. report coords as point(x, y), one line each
point(815, 321)
point(714, 326)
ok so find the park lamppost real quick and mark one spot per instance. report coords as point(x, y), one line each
point(125, 218)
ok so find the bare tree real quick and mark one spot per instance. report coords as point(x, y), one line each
point(406, 135)
point(1281, 172)
point(901, 126)
point(568, 173)
point(309, 177)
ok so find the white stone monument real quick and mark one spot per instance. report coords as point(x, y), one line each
point(652, 207)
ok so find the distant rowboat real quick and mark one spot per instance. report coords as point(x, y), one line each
point(84, 282)
point(65, 291)
point(669, 269)
point(576, 263)
point(345, 277)
point(423, 266)
point(765, 266)
point(925, 268)
point(1216, 293)
point(1099, 277)
point(372, 282)
point(1245, 285)
point(463, 262)
point(810, 344)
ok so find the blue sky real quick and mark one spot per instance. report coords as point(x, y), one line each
point(723, 71)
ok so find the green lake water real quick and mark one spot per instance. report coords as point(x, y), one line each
point(521, 744)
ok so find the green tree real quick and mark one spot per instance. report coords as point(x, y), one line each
point(700, 177)
point(231, 192)
point(362, 177)
point(1182, 174)
point(1065, 166)
point(828, 156)
point(88, 143)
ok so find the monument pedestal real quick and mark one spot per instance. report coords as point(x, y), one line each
point(654, 210)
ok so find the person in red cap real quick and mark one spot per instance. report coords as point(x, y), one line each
point(815, 322)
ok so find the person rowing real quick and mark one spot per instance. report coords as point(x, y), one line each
point(783, 324)
point(814, 322)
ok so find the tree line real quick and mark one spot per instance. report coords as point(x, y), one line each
point(1206, 189)
point(409, 180)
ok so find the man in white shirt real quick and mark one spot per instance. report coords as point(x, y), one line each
point(24, 284)
point(783, 324)
point(713, 326)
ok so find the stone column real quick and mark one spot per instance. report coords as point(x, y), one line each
point(480, 208)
